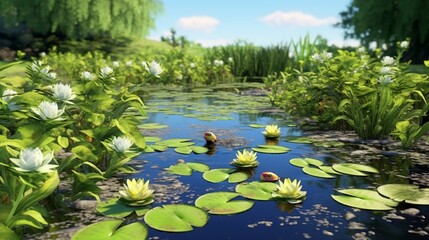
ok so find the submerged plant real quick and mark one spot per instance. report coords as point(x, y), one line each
point(245, 159)
point(271, 131)
point(137, 193)
point(290, 191)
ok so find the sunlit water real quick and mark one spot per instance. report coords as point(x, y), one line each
point(318, 217)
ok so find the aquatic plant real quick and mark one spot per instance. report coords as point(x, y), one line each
point(271, 131)
point(137, 193)
point(289, 191)
point(245, 159)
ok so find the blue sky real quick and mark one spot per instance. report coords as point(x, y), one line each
point(268, 22)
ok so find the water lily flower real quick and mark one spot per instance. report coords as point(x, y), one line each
point(8, 94)
point(137, 192)
point(192, 65)
point(87, 75)
point(385, 80)
point(245, 159)
point(48, 110)
point(387, 60)
point(385, 70)
point(106, 71)
point(63, 92)
point(271, 131)
point(121, 144)
point(33, 160)
point(52, 75)
point(290, 191)
point(404, 44)
point(128, 63)
point(115, 63)
point(154, 68)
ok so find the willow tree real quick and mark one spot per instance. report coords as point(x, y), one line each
point(78, 19)
point(387, 22)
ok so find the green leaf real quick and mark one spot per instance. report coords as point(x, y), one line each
point(199, 167)
point(256, 190)
point(152, 139)
point(159, 148)
point(217, 175)
point(220, 203)
point(271, 149)
point(236, 177)
point(405, 192)
point(183, 150)
point(199, 149)
point(63, 141)
point(360, 167)
point(368, 194)
point(30, 218)
point(176, 142)
point(109, 230)
point(117, 208)
point(255, 125)
point(329, 144)
point(8, 234)
point(360, 203)
point(176, 218)
point(180, 169)
point(316, 172)
point(305, 162)
point(294, 139)
point(328, 169)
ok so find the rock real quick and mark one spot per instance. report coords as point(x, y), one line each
point(85, 204)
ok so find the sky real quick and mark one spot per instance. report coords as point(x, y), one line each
point(263, 23)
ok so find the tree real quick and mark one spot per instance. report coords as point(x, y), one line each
point(79, 19)
point(387, 22)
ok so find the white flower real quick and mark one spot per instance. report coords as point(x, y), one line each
point(121, 144)
point(404, 44)
point(115, 64)
point(218, 63)
point(42, 54)
point(361, 50)
point(8, 94)
point(87, 75)
point(327, 55)
point(129, 63)
point(387, 60)
point(192, 65)
point(33, 160)
point(52, 75)
point(230, 59)
point(317, 57)
point(48, 110)
point(63, 92)
point(106, 71)
point(385, 70)
point(154, 68)
point(384, 80)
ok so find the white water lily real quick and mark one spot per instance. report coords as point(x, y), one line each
point(154, 68)
point(33, 160)
point(63, 92)
point(404, 44)
point(121, 144)
point(290, 190)
point(87, 75)
point(385, 80)
point(137, 192)
point(48, 110)
point(129, 63)
point(385, 70)
point(115, 64)
point(271, 131)
point(106, 71)
point(8, 94)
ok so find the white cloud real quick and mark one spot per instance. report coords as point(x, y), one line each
point(213, 42)
point(296, 18)
point(198, 23)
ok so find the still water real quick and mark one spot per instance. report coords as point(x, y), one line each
point(229, 114)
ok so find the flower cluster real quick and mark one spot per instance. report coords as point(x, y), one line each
point(245, 159)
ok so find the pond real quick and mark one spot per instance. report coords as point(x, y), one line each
point(230, 115)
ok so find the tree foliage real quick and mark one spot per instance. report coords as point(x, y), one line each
point(387, 22)
point(77, 19)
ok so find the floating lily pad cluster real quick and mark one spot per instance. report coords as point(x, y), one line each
point(315, 167)
point(180, 145)
point(317, 143)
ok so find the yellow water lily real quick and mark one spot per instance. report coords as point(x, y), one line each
point(245, 159)
point(271, 131)
point(137, 192)
point(290, 191)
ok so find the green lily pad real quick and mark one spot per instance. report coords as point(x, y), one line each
point(369, 194)
point(110, 229)
point(152, 139)
point(347, 169)
point(199, 149)
point(316, 172)
point(255, 125)
point(185, 169)
point(271, 149)
point(176, 142)
point(360, 167)
point(199, 167)
point(220, 203)
point(329, 144)
point(328, 169)
point(238, 176)
point(256, 190)
point(294, 139)
point(305, 162)
point(183, 150)
point(217, 175)
point(159, 148)
point(176, 218)
point(364, 199)
point(409, 193)
point(116, 208)
point(152, 126)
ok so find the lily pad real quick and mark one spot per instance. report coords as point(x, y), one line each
point(305, 162)
point(152, 139)
point(110, 229)
point(328, 169)
point(329, 144)
point(405, 192)
point(152, 126)
point(159, 148)
point(183, 150)
point(256, 190)
point(255, 125)
point(294, 139)
point(316, 172)
point(217, 175)
point(199, 167)
point(271, 149)
point(185, 169)
point(176, 218)
point(348, 169)
point(176, 142)
point(221, 203)
point(361, 167)
point(238, 176)
point(364, 199)
point(116, 208)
